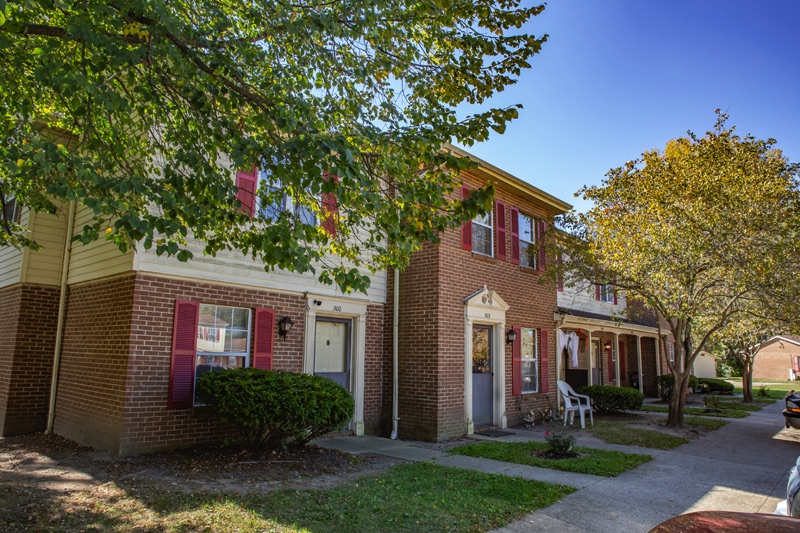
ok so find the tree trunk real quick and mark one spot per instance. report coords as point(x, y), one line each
point(747, 381)
point(677, 401)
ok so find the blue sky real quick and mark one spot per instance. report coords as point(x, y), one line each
point(618, 77)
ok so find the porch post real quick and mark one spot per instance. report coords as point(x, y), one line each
point(658, 356)
point(639, 361)
point(618, 378)
point(590, 351)
point(558, 365)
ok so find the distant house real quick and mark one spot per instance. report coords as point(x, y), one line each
point(778, 358)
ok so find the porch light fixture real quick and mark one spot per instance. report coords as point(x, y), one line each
point(284, 326)
point(511, 336)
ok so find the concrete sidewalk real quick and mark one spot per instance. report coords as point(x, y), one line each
point(741, 467)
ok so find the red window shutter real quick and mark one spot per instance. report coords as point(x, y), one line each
point(621, 355)
point(264, 341)
point(515, 235)
point(330, 209)
point(597, 291)
point(516, 363)
point(797, 363)
point(541, 230)
point(246, 183)
point(500, 213)
point(615, 296)
point(184, 351)
point(466, 227)
point(543, 350)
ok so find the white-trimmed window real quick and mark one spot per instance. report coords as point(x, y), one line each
point(529, 358)
point(527, 240)
point(482, 235)
point(11, 210)
point(606, 291)
point(223, 339)
point(273, 203)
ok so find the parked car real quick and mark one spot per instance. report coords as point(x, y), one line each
point(728, 522)
point(792, 412)
point(791, 505)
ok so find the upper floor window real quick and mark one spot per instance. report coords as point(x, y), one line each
point(11, 210)
point(606, 292)
point(272, 202)
point(527, 240)
point(482, 232)
point(671, 353)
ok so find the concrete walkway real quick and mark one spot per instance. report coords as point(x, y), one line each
point(743, 466)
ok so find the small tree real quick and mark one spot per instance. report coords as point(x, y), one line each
point(692, 231)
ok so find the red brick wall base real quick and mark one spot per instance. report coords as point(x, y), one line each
point(28, 315)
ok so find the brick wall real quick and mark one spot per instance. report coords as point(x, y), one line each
point(117, 354)
point(649, 380)
point(93, 374)
point(28, 315)
point(433, 289)
point(774, 360)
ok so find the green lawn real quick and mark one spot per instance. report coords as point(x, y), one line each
point(621, 433)
point(591, 461)
point(413, 497)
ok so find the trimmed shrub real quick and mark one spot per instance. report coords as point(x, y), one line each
point(665, 382)
point(608, 399)
point(275, 410)
point(715, 386)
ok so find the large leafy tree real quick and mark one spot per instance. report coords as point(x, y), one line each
point(141, 111)
point(696, 231)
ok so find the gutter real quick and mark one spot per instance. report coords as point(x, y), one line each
point(62, 306)
point(395, 351)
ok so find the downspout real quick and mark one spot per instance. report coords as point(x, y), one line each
point(395, 351)
point(62, 305)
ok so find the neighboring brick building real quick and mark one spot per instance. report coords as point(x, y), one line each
point(616, 342)
point(778, 359)
point(459, 298)
point(136, 329)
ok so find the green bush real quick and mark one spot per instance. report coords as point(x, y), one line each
point(715, 386)
point(608, 399)
point(665, 382)
point(275, 410)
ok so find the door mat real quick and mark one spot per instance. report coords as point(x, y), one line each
point(494, 433)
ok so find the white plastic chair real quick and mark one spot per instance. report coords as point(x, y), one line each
point(574, 402)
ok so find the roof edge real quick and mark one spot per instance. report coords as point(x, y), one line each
point(501, 175)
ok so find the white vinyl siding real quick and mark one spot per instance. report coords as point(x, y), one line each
point(43, 267)
point(97, 259)
point(11, 261)
point(235, 268)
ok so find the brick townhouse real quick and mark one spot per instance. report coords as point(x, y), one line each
point(476, 328)
point(132, 331)
point(136, 330)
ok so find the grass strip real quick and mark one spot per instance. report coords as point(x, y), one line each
point(724, 413)
point(591, 461)
point(413, 497)
point(620, 433)
point(709, 423)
